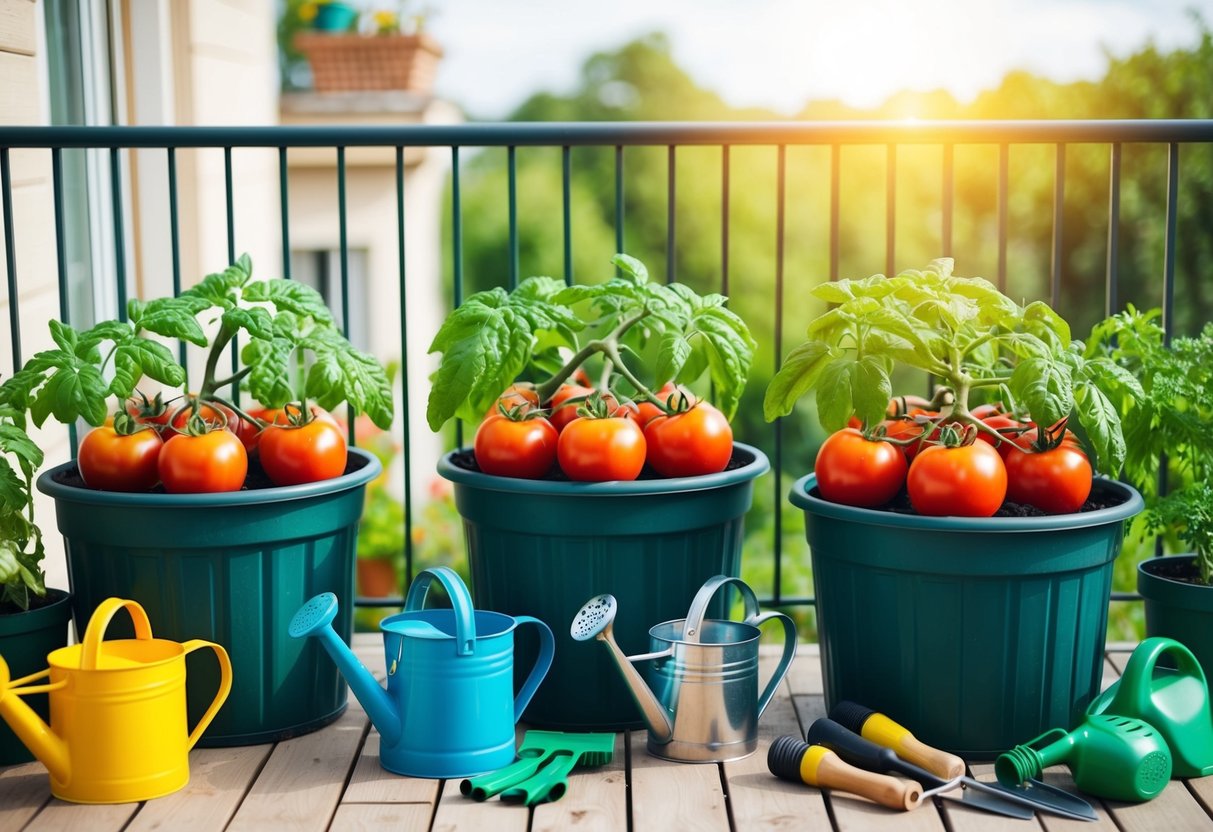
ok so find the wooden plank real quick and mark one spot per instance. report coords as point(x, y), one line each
point(219, 780)
point(456, 812)
point(302, 781)
point(58, 815)
point(596, 798)
point(368, 816)
point(805, 675)
point(855, 814)
point(1201, 788)
point(17, 26)
point(372, 784)
point(667, 795)
point(1173, 810)
point(24, 790)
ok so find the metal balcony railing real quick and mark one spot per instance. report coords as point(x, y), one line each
point(947, 136)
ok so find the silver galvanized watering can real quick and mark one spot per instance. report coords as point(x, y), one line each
point(699, 696)
point(449, 709)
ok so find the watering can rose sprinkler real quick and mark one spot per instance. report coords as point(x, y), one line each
point(449, 709)
point(700, 701)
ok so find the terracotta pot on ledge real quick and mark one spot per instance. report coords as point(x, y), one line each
point(357, 63)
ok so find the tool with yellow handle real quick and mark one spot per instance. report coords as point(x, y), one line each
point(792, 759)
point(878, 728)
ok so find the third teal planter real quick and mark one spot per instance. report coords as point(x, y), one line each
point(543, 548)
point(1177, 609)
point(975, 633)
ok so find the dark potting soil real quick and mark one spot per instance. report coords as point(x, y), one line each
point(467, 461)
point(1184, 571)
point(901, 505)
point(255, 480)
point(52, 595)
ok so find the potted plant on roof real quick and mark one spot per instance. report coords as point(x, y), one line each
point(33, 619)
point(1172, 420)
point(976, 631)
point(224, 549)
point(609, 487)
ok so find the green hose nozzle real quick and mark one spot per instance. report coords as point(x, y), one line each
point(1111, 756)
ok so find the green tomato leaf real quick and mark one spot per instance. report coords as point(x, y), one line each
point(255, 320)
point(65, 337)
point(270, 378)
point(833, 291)
point(834, 393)
point(14, 491)
point(871, 388)
point(631, 268)
point(731, 355)
point(341, 373)
point(219, 289)
point(141, 357)
point(1040, 319)
point(15, 441)
point(673, 351)
point(1099, 418)
point(797, 375)
point(290, 296)
point(1045, 387)
point(70, 393)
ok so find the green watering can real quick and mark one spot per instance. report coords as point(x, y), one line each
point(1175, 702)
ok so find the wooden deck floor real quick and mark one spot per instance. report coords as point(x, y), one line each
point(331, 779)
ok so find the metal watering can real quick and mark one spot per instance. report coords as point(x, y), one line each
point(449, 709)
point(118, 731)
point(700, 698)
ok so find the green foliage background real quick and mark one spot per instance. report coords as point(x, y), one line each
point(641, 82)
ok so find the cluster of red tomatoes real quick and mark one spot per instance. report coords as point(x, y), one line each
point(214, 460)
point(614, 446)
point(955, 469)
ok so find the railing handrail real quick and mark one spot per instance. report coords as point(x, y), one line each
point(557, 134)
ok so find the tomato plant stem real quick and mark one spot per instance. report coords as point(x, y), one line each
point(610, 342)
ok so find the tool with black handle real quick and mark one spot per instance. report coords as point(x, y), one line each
point(798, 762)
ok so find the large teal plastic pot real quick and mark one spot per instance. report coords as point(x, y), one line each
point(230, 568)
point(1177, 609)
point(975, 633)
point(26, 638)
point(543, 548)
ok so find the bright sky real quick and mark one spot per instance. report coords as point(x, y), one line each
point(781, 53)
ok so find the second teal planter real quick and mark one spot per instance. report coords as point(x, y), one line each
point(975, 633)
point(543, 548)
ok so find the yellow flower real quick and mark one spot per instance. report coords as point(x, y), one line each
point(386, 21)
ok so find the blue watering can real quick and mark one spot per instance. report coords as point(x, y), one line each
point(449, 709)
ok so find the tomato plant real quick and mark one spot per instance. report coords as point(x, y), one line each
point(959, 477)
point(111, 460)
point(694, 442)
point(857, 471)
point(305, 452)
point(515, 445)
point(209, 460)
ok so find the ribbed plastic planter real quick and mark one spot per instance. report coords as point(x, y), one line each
point(26, 638)
point(1177, 609)
point(975, 633)
point(230, 568)
point(543, 548)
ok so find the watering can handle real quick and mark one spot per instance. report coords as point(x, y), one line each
point(225, 685)
point(1140, 669)
point(461, 602)
point(100, 621)
point(547, 649)
point(785, 661)
point(699, 606)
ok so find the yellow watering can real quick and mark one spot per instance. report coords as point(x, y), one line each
point(118, 731)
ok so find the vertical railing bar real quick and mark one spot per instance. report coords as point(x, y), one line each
point(890, 219)
point(404, 373)
point(457, 253)
point(231, 257)
point(61, 259)
point(566, 187)
point(781, 191)
point(1059, 198)
point(1004, 182)
point(619, 198)
point(10, 256)
point(724, 219)
point(119, 233)
point(1112, 291)
point(671, 232)
point(947, 192)
point(835, 176)
point(284, 203)
point(343, 257)
point(512, 165)
point(1168, 275)
point(174, 226)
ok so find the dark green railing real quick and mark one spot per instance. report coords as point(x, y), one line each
point(946, 135)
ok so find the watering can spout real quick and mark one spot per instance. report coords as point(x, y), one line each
point(596, 620)
point(315, 618)
point(35, 734)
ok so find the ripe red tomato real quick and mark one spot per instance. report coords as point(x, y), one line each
point(907, 427)
point(688, 444)
point(524, 448)
point(647, 411)
point(292, 455)
point(598, 450)
point(856, 471)
point(561, 416)
point(985, 411)
point(110, 461)
point(965, 481)
point(998, 422)
point(1057, 481)
point(210, 462)
point(514, 396)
